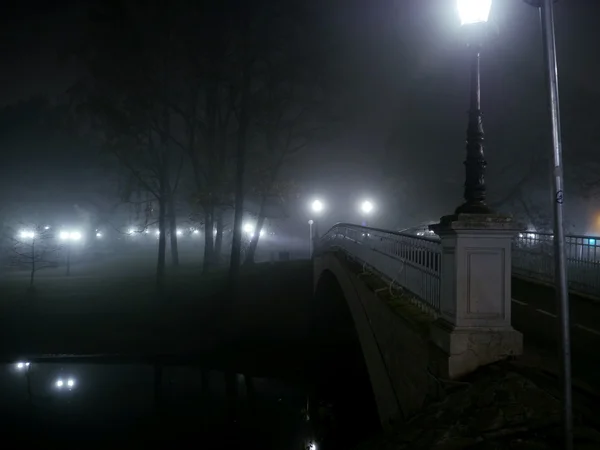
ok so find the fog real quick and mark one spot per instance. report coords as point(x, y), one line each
point(172, 154)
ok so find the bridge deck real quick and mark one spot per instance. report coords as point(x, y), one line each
point(534, 314)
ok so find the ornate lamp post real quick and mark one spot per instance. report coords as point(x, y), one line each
point(366, 208)
point(310, 237)
point(317, 207)
point(474, 325)
point(474, 15)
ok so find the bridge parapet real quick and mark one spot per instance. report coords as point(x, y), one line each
point(474, 327)
point(463, 279)
point(412, 262)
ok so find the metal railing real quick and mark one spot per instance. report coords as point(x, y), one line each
point(533, 257)
point(412, 262)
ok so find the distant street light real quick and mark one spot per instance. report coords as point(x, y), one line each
point(22, 365)
point(317, 206)
point(69, 237)
point(68, 383)
point(98, 235)
point(248, 228)
point(366, 207)
point(473, 16)
point(27, 234)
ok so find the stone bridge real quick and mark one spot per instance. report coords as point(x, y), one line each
point(431, 308)
point(426, 311)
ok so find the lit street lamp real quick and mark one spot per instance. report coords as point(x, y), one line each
point(69, 237)
point(366, 208)
point(27, 234)
point(68, 383)
point(473, 16)
point(317, 207)
point(248, 228)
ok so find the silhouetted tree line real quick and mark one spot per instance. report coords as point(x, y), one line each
point(203, 102)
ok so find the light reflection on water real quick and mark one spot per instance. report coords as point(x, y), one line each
point(87, 401)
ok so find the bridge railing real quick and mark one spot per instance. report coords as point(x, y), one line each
point(533, 257)
point(412, 262)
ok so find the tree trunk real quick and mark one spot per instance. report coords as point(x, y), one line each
point(236, 244)
point(218, 238)
point(259, 226)
point(162, 241)
point(163, 182)
point(173, 229)
point(32, 264)
point(208, 238)
point(68, 258)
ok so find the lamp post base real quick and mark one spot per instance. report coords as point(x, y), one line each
point(473, 208)
point(474, 326)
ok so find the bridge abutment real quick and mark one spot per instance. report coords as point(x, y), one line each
point(474, 327)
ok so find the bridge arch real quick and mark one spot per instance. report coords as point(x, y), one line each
point(342, 374)
point(395, 355)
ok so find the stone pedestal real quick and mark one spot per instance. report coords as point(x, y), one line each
point(474, 327)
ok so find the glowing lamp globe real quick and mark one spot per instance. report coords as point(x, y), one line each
point(317, 206)
point(366, 207)
point(473, 11)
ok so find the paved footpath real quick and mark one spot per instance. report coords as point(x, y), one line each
point(534, 313)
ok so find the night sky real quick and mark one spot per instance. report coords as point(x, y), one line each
point(402, 73)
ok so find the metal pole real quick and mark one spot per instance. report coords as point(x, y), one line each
point(310, 238)
point(562, 291)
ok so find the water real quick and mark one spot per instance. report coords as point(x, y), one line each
point(88, 403)
point(94, 403)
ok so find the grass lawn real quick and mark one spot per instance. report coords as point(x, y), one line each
point(113, 307)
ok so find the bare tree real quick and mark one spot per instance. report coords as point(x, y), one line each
point(290, 107)
point(34, 248)
point(126, 96)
